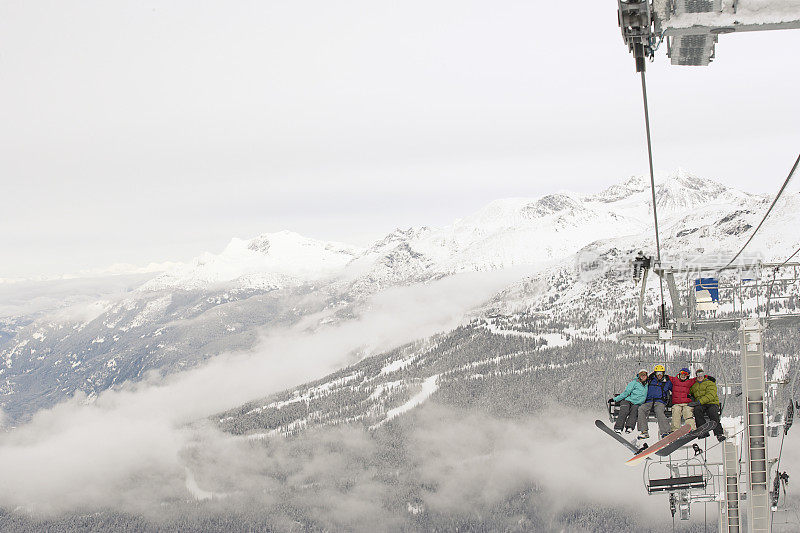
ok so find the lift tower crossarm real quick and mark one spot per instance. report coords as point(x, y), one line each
point(692, 27)
point(718, 16)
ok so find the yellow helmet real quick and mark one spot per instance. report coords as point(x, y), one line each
point(660, 368)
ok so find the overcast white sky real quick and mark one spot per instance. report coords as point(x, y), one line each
point(137, 131)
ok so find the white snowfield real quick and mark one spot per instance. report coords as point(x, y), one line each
point(194, 489)
point(429, 386)
point(702, 214)
point(552, 339)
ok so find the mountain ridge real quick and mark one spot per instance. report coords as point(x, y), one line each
point(496, 236)
point(225, 302)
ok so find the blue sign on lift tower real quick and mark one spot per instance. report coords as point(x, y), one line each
point(706, 293)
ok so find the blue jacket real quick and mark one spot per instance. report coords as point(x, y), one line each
point(635, 392)
point(658, 390)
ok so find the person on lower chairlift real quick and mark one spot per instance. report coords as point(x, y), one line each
point(631, 398)
point(680, 399)
point(706, 403)
point(659, 390)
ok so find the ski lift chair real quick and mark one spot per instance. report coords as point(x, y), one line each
point(613, 412)
point(687, 476)
point(613, 384)
point(614, 387)
point(671, 484)
point(723, 388)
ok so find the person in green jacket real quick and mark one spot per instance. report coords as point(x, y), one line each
point(631, 398)
point(706, 403)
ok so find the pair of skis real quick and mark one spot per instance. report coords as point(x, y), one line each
point(681, 436)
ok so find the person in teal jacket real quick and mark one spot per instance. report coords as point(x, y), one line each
point(631, 398)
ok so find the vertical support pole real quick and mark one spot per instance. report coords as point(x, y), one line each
point(730, 519)
point(678, 309)
point(755, 441)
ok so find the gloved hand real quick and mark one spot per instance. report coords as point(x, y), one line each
point(693, 404)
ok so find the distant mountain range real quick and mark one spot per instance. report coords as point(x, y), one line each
point(222, 302)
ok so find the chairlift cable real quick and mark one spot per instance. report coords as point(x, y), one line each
point(705, 517)
point(650, 160)
point(716, 359)
point(792, 386)
point(663, 321)
point(778, 473)
point(780, 451)
point(790, 258)
point(777, 197)
point(774, 275)
point(769, 289)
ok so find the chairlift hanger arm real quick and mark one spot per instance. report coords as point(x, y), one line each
point(640, 316)
point(635, 19)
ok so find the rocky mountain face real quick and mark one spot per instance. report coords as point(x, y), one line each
point(580, 245)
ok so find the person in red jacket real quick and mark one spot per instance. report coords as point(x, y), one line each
point(680, 399)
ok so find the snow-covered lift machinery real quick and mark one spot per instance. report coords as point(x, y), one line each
point(691, 28)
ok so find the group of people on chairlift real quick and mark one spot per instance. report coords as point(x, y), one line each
point(693, 399)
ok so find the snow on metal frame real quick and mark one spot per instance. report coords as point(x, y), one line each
point(691, 27)
point(676, 17)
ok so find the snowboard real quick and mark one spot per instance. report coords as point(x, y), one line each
point(602, 426)
point(666, 441)
point(671, 447)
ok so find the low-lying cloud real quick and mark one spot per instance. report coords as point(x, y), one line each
point(85, 454)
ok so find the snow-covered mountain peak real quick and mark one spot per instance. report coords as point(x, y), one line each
point(517, 212)
point(397, 237)
point(681, 192)
point(497, 213)
point(504, 233)
point(621, 191)
point(678, 193)
point(289, 243)
point(270, 260)
point(551, 204)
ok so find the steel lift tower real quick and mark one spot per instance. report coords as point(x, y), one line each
point(690, 321)
point(691, 30)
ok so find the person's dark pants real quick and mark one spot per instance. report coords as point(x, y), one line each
point(703, 413)
point(627, 415)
